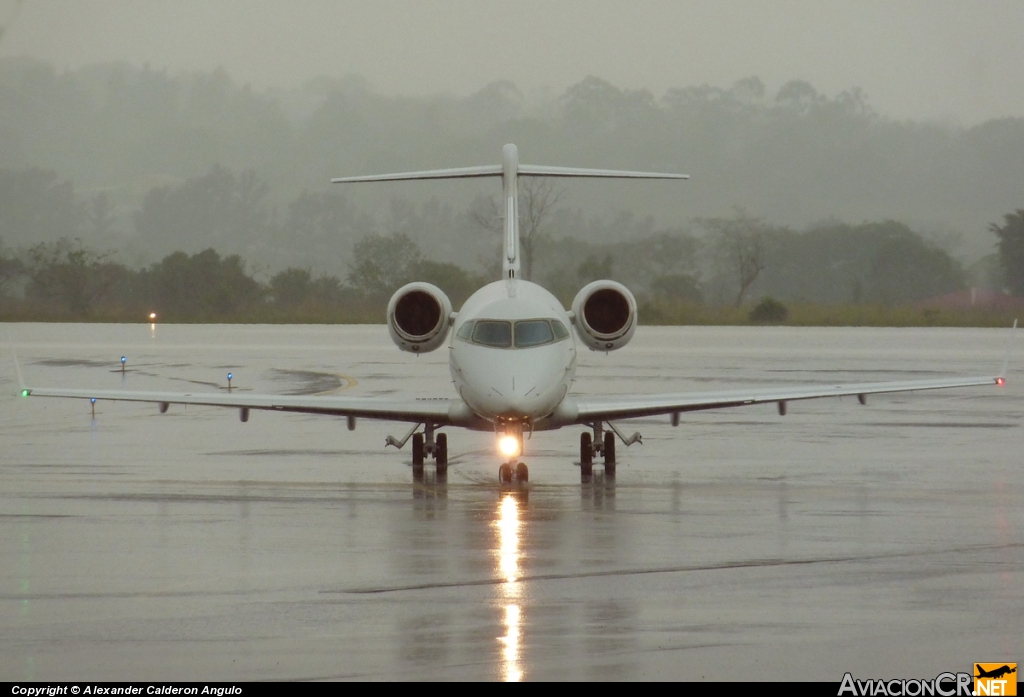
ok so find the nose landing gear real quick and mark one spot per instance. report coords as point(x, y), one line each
point(510, 431)
point(509, 472)
point(522, 473)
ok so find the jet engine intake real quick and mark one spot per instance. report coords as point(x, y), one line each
point(418, 317)
point(605, 315)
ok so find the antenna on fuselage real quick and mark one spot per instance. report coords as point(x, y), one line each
point(509, 171)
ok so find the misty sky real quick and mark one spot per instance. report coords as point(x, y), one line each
point(951, 60)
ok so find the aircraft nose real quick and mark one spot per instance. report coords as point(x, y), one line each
point(521, 384)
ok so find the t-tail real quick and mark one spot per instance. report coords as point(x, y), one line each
point(509, 171)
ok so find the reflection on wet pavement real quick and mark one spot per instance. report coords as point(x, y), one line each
point(508, 567)
point(884, 540)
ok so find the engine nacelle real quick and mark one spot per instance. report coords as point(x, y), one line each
point(418, 317)
point(605, 315)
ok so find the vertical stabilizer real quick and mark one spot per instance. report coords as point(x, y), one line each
point(510, 187)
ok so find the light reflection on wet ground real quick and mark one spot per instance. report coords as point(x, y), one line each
point(884, 540)
point(507, 524)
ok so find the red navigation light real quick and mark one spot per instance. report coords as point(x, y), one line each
point(1000, 381)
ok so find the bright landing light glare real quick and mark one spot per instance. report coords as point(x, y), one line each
point(509, 446)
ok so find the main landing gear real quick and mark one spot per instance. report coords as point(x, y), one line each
point(425, 444)
point(600, 443)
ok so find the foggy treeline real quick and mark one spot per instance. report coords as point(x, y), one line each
point(798, 195)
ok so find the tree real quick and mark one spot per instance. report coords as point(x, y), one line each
point(324, 223)
point(67, 276)
point(218, 208)
point(905, 268)
point(873, 262)
point(11, 270)
point(291, 287)
point(799, 95)
point(294, 287)
point(594, 268)
point(538, 196)
point(739, 244)
point(36, 206)
point(381, 265)
point(100, 217)
point(203, 285)
point(1011, 249)
point(768, 311)
point(454, 280)
point(678, 287)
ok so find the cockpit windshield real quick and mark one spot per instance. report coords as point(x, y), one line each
point(500, 333)
point(533, 332)
point(489, 332)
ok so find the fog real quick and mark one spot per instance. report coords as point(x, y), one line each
point(862, 152)
point(916, 58)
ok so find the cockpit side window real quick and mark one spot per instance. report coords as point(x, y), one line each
point(533, 332)
point(495, 333)
point(465, 331)
point(560, 331)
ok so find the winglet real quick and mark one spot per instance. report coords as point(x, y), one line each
point(1009, 350)
point(17, 369)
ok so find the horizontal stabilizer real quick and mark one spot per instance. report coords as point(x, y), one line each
point(496, 171)
point(541, 171)
point(456, 173)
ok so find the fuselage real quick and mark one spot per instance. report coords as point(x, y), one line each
point(512, 354)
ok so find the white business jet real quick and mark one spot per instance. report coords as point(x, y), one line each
point(513, 358)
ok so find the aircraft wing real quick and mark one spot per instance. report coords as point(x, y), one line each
point(412, 410)
point(613, 407)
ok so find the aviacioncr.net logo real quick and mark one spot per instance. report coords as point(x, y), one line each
point(995, 679)
point(943, 685)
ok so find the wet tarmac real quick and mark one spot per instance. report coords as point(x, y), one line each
point(886, 540)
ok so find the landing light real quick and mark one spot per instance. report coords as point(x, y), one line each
point(152, 316)
point(509, 446)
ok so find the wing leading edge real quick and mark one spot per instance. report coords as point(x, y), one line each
point(589, 409)
point(436, 411)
